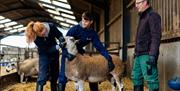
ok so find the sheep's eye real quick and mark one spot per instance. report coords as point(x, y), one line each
point(72, 39)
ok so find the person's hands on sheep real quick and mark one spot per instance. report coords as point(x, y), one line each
point(62, 42)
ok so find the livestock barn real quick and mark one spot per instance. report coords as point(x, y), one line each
point(115, 22)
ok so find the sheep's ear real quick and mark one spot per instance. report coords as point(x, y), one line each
point(76, 41)
point(72, 39)
point(67, 38)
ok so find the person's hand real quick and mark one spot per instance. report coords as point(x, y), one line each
point(70, 57)
point(110, 65)
point(152, 61)
point(62, 42)
point(77, 41)
point(134, 55)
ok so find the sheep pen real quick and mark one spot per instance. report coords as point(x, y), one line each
point(103, 86)
point(30, 85)
point(27, 68)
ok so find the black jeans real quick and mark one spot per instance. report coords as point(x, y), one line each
point(48, 67)
point(93, 86)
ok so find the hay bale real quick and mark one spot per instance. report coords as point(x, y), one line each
point(104, 86)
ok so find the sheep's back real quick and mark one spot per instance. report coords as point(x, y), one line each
point(86, 67)
point(28, 64)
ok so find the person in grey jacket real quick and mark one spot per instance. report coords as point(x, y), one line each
point(148, 39)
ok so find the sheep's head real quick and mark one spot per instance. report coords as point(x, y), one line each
point(11, 66)
point(71, 45)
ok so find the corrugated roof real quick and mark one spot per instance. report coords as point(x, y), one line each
point(16, 14)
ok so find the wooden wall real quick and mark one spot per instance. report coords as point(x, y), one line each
point(169, 11)
point(114, 24)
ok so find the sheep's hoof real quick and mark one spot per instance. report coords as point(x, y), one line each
point(23, 82)
point(121, 89)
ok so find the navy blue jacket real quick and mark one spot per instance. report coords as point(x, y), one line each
point(45, 44)
point(86, 36)
point(148, 35)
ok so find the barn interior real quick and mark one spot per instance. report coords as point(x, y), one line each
point(115, 21)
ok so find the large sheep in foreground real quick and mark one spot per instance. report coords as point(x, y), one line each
point(91, 68)
point(28, 67)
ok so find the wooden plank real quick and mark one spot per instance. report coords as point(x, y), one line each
point(160, 8)
point(178, 12)
point(131, 4)
point(163, 16)
point(167, 15)
point(153, 4)
point(170, 15)
point(115, 18)
point(174, 14)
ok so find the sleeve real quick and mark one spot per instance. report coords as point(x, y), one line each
point(155, 29)
point(53, 49)
point(71, 31)
point(99, 46)
point(57, 33)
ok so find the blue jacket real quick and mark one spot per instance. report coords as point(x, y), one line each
point(46, 44)
point(86, 36)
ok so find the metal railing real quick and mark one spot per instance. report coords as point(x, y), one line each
point(11, 54)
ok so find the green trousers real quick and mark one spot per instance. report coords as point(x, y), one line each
point(142, 71)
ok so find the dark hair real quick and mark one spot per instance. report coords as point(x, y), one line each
point(148, 1)
point(87, 16)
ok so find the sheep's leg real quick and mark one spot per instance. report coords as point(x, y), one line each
point(26, 78)
point(80, 85)
point(76, 85)
point(119, 83)
point(113, 84)
point(21, 77)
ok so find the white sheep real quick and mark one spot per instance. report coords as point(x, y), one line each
point(91, 68)
point(28, 67)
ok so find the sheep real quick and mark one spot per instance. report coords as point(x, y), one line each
point(10, 66)
point(28, 67)
point(91, 68)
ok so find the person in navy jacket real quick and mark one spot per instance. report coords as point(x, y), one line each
point(84, 33)
point(45, 35)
